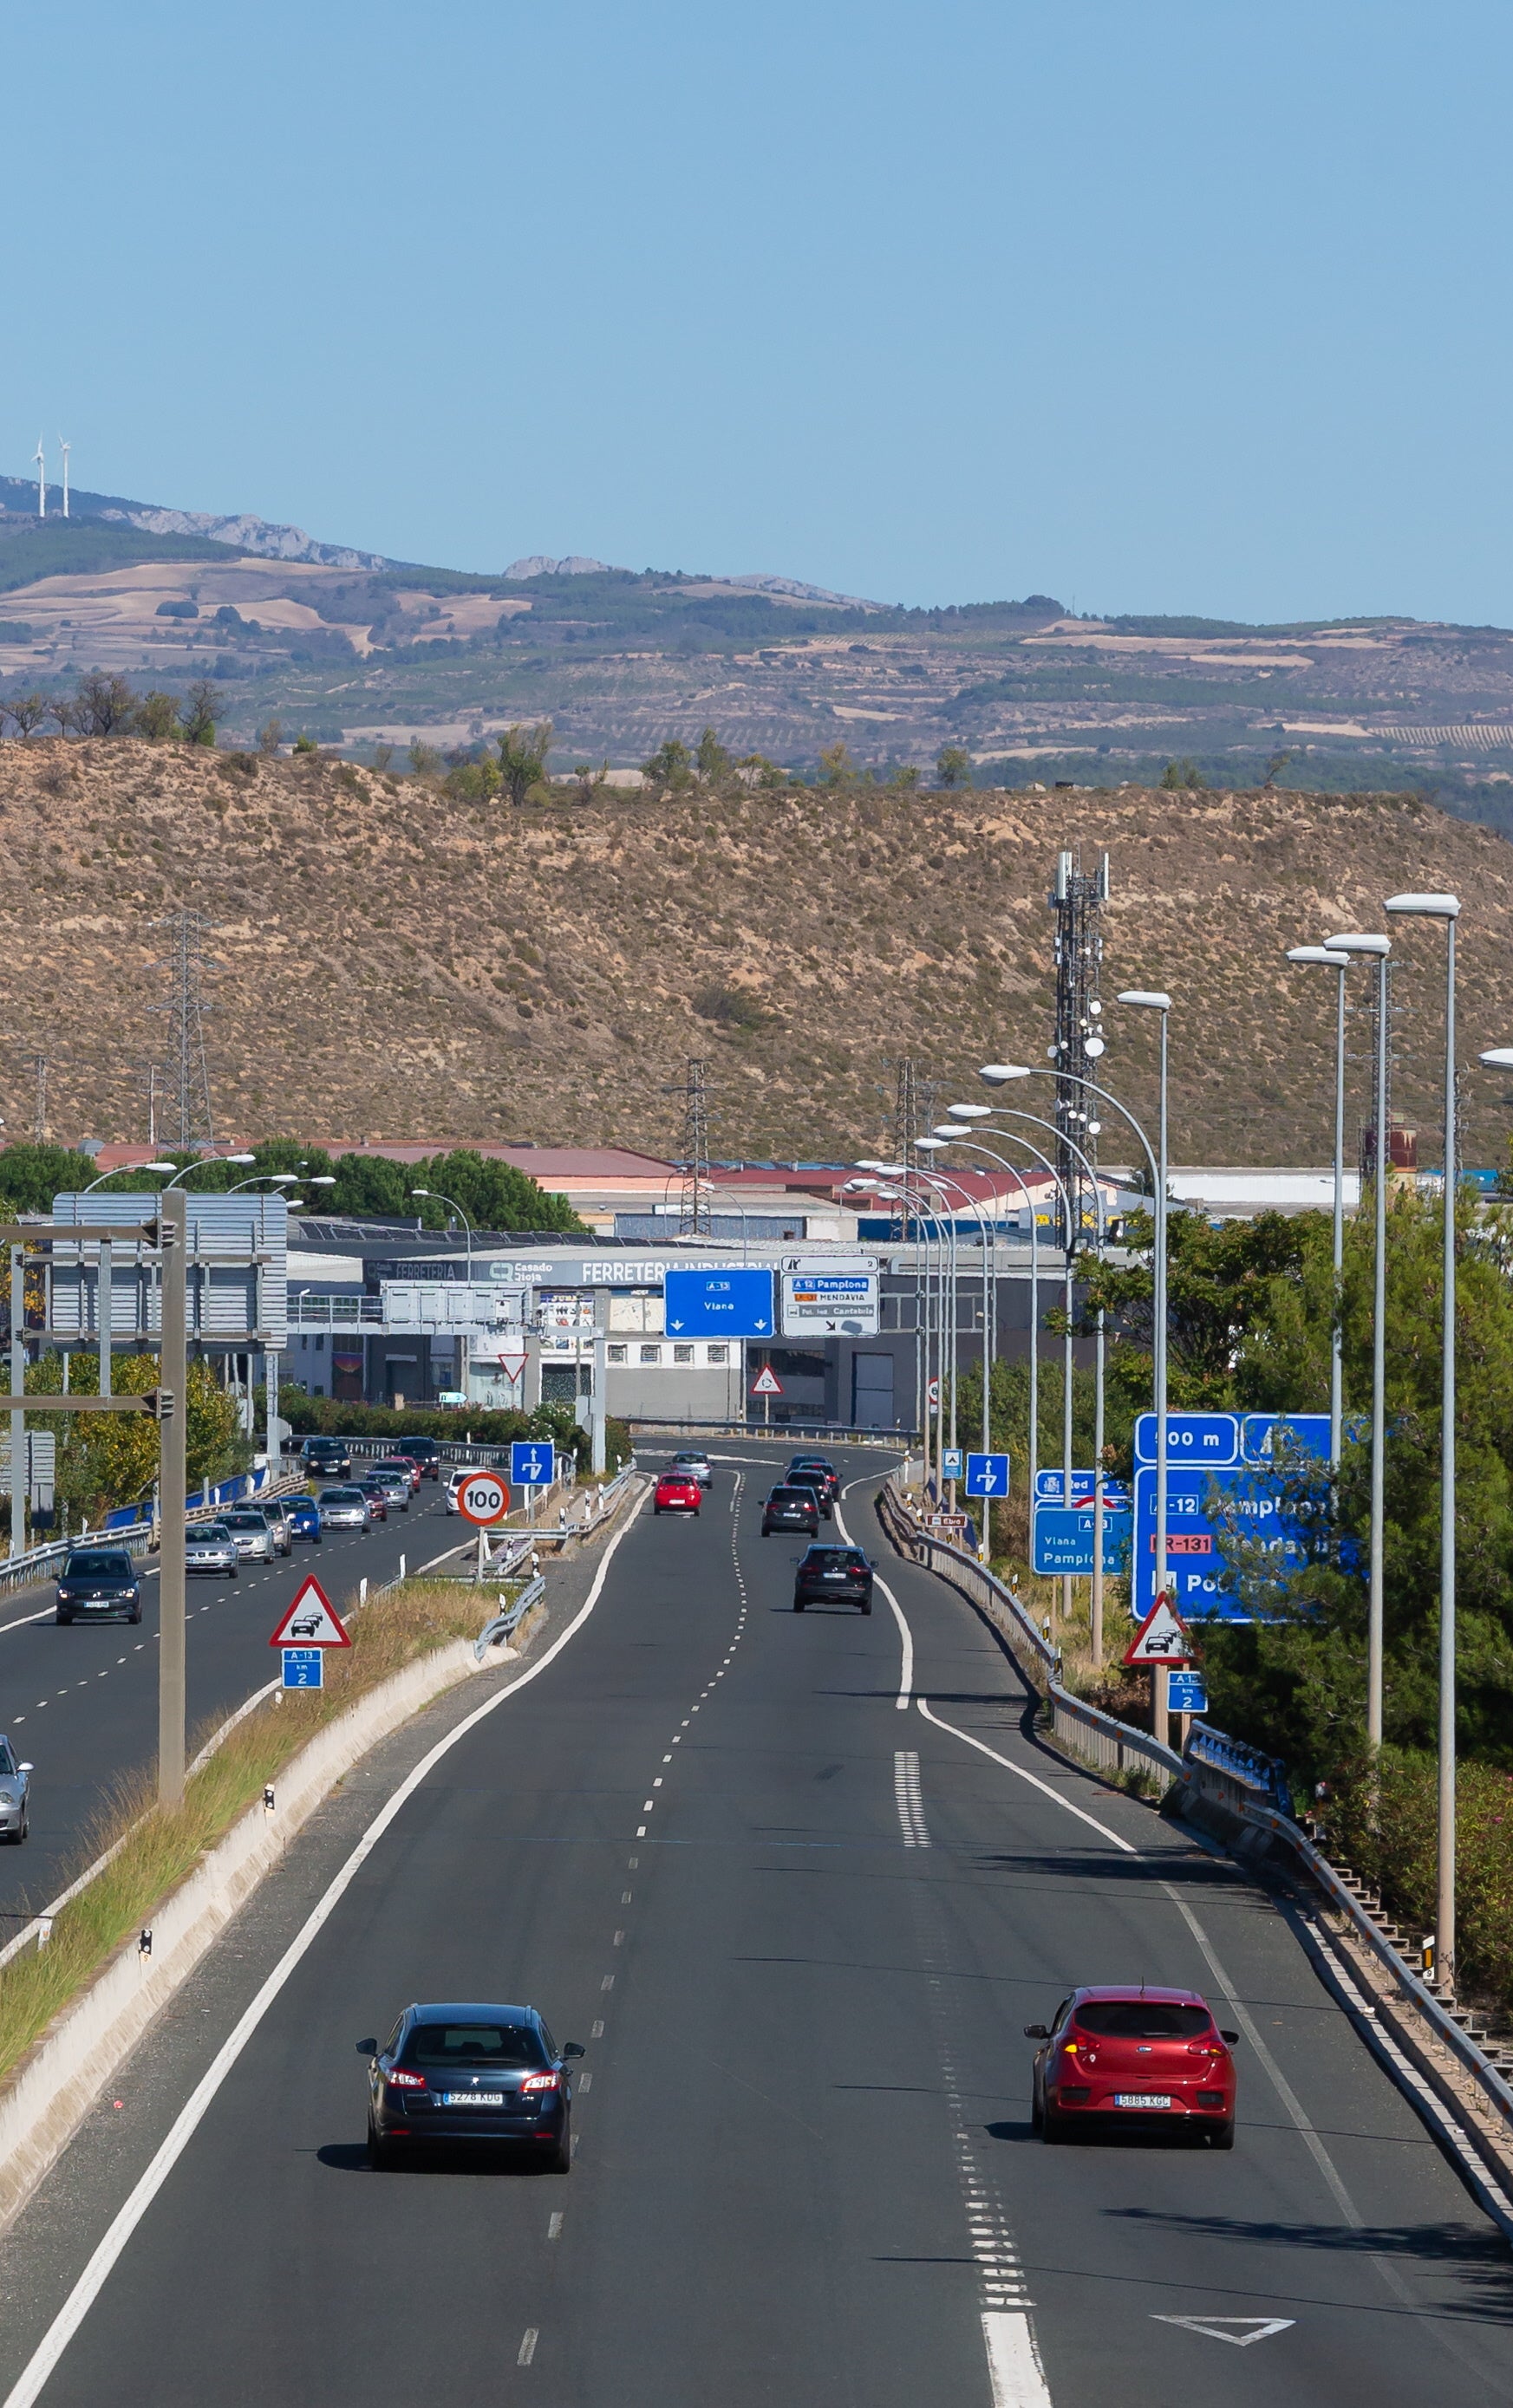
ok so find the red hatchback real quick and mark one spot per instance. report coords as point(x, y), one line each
point(1126, 2053)
point(675, 1493)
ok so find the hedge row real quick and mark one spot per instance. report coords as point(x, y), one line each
point(1390, 1835)
point(331, 1416)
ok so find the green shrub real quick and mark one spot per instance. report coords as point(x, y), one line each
point(1388, 1833)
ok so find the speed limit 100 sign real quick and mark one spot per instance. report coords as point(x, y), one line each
point(482, 1498)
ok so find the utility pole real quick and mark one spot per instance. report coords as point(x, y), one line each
point(18, 1385)
point(694, 1216)
point(1077, 898)
point(185, 1011)
point(173, 1375)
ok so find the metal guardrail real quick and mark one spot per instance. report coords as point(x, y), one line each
point(841, 1433)
point(504, 1624)
point(1237, 1774)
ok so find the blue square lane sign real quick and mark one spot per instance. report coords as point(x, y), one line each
point(302, 1667)
point(532, 1462)
point(987, 1475)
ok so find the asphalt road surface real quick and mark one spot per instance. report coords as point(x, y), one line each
point(80, 1700)
point(798, 1924)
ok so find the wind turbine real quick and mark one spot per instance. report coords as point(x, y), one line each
point(65, 451)
point(41, 481)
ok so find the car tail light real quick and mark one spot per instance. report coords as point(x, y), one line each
point(1075, 2094)
point(541, 2081)
point(398, 2081)
point(1210, 2097)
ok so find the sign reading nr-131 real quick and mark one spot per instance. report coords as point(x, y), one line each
point(482, 1498)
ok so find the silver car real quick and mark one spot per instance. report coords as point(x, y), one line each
point(394, 1487)
point(248, 1525)
point(694, 1463)
point(15, 1793)
point(209, 1547)
point(277, 1511)
point(345, 1508)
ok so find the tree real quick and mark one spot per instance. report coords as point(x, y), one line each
point(25, 711)
point(1179, 776)
point(104, 705)
point(64, 713)
point(270, 736)
point(157, 717)
point(198, 713)
point(836, 767)
point(1275, 767)
point(671, 766)
point(953, 766)
point(712, 759)
point(523, 757)
point(31, 1175)
point(904, 778)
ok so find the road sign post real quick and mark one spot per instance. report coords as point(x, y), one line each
point(767, 1386)
point(312, 1622)
point(302, 1667)
point(173, 1491)
point(1160, 1642)
point(482, 1498)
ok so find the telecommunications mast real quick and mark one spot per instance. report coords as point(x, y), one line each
point(1076, 899)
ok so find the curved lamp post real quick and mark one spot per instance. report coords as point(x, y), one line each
point(1326, 958)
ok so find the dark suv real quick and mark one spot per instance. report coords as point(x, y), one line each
point(818, 1484)
point(327, 1458)
point(424, 1451)
point(791, 1509)
point(98, 1584)
point(833, 1575)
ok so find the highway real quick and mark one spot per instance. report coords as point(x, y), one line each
point(799, 1923)
point(80, 1700)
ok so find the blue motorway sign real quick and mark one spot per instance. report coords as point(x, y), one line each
point(1190, 1438)
point(302, 1667)
point(734, 1304)
point(1199, 1579)
point(1063, 1538)
point(987, 1475)
point(532, 1463)
point(1258, 1434)
point(1117, 1497)
point(1186, 1692)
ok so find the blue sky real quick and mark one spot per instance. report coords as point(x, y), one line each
point(1194, 305)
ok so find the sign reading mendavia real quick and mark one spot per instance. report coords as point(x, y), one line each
point(829, 1296)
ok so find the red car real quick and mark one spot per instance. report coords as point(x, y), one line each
point(676, 1494)
point(1126, 2053)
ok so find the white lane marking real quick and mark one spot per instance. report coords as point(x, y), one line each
point(553, 2224)
point(908, 1797)
point(906, 1637)
point(527, 2348)
point(1013, 2367)
point(597, 2032)
point(39, 2365)
point(1250, 2328)
point(1020, 1774)
point(608, 1984)
point(582, 2085)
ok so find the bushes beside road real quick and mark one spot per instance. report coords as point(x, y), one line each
point(1388, 1833)
point(329, 1416)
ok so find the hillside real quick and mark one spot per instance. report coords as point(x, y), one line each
point(393, 963)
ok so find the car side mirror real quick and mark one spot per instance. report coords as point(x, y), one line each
point(573, 2048)
point(28, 1767)
point(1037, 2031)
point(367, 2048)
point(1229, 2039)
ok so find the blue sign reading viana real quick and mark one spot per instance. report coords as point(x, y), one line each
point(735, 1303)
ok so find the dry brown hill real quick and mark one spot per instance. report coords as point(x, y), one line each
point(397, 964)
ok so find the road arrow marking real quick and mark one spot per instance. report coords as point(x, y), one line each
point(1241, 2330)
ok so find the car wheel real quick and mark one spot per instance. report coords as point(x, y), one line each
point(25, 1831)
point(560, 2160)
point(867, 1605)
point(1052, 2126)
point(66, 1617)
point(379, 2152)
point(136, 1616)
point(1036, 2117)
point(1220, 2136)
point(797, 1605)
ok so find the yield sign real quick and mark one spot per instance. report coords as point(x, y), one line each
point(1242, 2330)
point(767, 1383)
point(310, 1622)
point(1162, 1638)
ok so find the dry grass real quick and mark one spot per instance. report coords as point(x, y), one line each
point(162, 1850)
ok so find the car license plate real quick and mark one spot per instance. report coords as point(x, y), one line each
point(1140, 2099)
point(472, 2098)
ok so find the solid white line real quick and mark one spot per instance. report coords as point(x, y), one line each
point(906, 1637)
point(1013, 2367)
point(186, 2123)
point(1020, 1774)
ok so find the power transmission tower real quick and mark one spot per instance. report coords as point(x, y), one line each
point(1077, 899)
point(187, 1102)
point(693, 1217)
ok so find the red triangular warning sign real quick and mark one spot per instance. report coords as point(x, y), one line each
point(1162, 1638)
point(311, 1621)
point(767, 1383)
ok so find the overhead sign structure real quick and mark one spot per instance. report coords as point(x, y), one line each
point(532, 1462)
point(1161, 1638)
point(302, 1667)
point(1062, 1540)
point(987, 1475)
point(837, 1296)
point(1246, 1502)
point(1190, 1438)
point(311, 1621)
point(482, 1498)
point(734, 1304)
point(767, 1383)
point(1050, 1486)
point(1187, 1693)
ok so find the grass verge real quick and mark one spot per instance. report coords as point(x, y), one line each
point(161, 1850)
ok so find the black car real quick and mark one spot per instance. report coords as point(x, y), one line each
point(833, 1575)
point(815, 1463)
point(424, 1451)
point(786, 1507)
point(818, 1483)
point(327, 1458)
point(99, 1584)
point(460, 2073)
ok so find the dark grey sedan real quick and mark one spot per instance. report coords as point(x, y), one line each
point(460, 2073)
point(98, 1584)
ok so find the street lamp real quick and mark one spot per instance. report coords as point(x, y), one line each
point(1448, 908)
point(434, 1196)
point(200, 1163)
point(1152, 999)
point(1376, 949)
point(1340, 961)
point(928, 1214)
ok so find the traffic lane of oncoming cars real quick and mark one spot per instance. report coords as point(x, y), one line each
point(98, 1584)
point(209, 1547)
point(459, 2073)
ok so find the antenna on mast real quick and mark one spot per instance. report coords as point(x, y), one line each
point(65, 450)
point(41, 481)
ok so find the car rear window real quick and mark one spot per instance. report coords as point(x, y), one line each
point(341, 1496)
point(834, 1559)
point(211, 1530)
point(440, 2048)
point(97, 1563)
point(245, 1522)
point(792, 1495)
point(1142, 2019)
